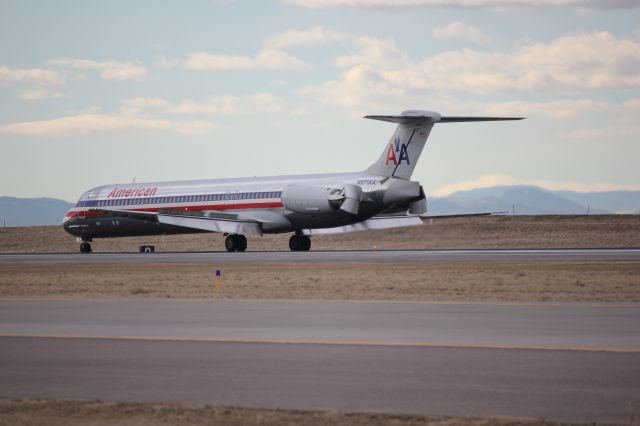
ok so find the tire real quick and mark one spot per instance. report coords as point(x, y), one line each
point(299, 243)
point(305, 243)
point(242, 242)
point(231, 243)
point(293, 243)
point(235, 242)
point(85, 247)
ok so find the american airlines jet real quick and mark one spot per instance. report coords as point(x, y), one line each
point(382, 196)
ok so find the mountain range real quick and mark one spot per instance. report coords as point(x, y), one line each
point(532, 200)
point(519, 199)
point(32, 211)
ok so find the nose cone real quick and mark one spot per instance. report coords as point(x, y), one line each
point(69, 223)
point(66, 217)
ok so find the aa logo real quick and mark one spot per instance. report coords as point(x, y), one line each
point(397, 153)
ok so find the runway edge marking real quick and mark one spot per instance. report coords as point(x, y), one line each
point(325, 342)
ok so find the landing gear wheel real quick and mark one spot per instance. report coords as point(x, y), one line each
point(85, 247)
point(235, 242)
point(299, 243)
point(230, 243)
point(242, 242)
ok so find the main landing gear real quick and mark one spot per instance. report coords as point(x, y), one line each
point(85, 247)
point(235, 242)
point(238, 242)
point(299, 242)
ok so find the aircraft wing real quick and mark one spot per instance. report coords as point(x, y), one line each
point(213, 222)
point(445, 216)
point(131, 214)
point(390, 221)
point(376, 222)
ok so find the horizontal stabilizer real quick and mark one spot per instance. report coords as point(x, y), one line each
point(451, 119)
point(411, 116)
point(434, 117)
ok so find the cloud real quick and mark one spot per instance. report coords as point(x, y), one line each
point(40, 93)
point(147, 102)
point(269, 59)
point(231, 105)
point(622, 128)
point(383, 54)
point(44, 77)
point(492, 4)
point(227, 105)
point(315, 36)
point(583, 134)
point(359, 86)
point(136, 105)
point(559, 109)
point(484, 181)
point(632, 104)
point(153, 114)
point(574, 63)
point(458, 30)
point(110, 70)
point(87, 124)
point(491, 180)
point(46, 81)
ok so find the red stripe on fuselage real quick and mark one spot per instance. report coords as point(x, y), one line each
point(269, 205)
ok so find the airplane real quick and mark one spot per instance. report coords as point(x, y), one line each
point(382, 196)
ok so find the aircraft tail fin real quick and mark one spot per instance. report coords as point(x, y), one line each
point(401, 154)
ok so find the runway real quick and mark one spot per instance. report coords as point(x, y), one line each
point(382, 256)
point(602, 327)
point(569, 362)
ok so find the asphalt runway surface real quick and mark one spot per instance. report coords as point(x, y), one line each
point(382, 256)
point(568, 362)
point(604, 326)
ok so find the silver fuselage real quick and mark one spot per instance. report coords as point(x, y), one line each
point(256, 198)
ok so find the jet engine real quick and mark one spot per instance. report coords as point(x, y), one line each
point(322, 200)
point(419, 204)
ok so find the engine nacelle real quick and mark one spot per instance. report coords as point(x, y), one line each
point(419, 204)
point(352, 195)
point(311, 199)
point(321, 200)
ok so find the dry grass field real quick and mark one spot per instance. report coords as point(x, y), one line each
point(479, 232)
point(445, 281)
point(63, 413)
point(454, 281)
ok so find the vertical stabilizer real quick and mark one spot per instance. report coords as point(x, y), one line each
point(400, 155)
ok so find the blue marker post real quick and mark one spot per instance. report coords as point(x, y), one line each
point(218, 281)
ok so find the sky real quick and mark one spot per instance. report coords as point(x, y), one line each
point(96, 92)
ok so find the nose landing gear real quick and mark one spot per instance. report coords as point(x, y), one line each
point(85, 247)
